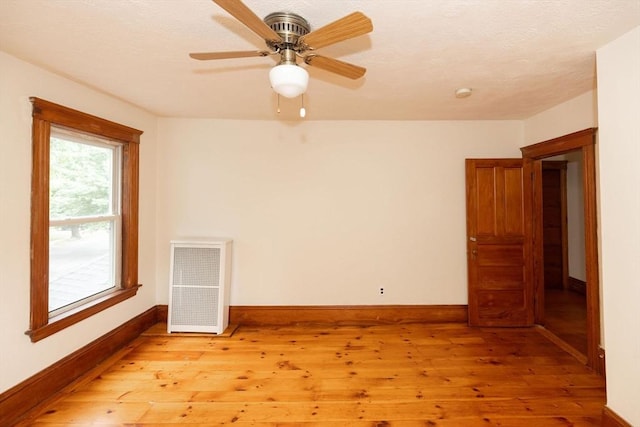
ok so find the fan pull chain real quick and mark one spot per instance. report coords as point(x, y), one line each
point(303, 111)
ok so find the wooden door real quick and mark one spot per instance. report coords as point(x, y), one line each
point(554, 224)
point(499, 242)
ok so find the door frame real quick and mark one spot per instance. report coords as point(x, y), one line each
point(584, 141)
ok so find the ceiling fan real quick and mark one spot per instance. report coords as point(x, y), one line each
point(289, 35)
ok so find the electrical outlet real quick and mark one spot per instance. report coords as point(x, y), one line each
point(381, 291)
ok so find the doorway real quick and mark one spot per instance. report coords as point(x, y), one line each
point(565, 306)
point(584, 143)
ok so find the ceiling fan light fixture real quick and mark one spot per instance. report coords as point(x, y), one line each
point(289, 80)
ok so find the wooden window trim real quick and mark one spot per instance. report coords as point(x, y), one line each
point(45, 114)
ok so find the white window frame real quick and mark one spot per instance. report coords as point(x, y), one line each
point(115, 217)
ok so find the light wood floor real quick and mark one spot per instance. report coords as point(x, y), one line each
point(566, 316)
point(401, 375)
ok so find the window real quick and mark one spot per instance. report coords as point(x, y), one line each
point(84, 216)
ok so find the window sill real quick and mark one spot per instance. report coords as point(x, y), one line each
point(72, 317)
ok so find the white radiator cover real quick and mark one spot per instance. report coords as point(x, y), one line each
point(200, 276)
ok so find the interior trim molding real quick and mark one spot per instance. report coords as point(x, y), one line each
point(346, 314)
point(577, 285)
point(560, 145)
point(163, 313)
point(584, 141)
point(562, 344)
point(279, 315)
point(37, 390)
point(256, 315)
point(611, 419)
point(602, 365)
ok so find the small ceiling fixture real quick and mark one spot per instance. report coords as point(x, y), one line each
point(463, 92)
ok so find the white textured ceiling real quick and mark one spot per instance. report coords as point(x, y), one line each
point(519, 56)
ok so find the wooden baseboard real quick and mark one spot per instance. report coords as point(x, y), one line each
point(600, 365)
point(611, 419)
point(163, 313)
point(347, 314)
point(577, 285)
point(264, 315)
point(16, 402)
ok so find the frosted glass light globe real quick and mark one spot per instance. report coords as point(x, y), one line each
point(289, 80)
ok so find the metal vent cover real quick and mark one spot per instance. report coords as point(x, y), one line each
point(194, 306)
point(289, 26)
point(198, 294)
point(195, 266)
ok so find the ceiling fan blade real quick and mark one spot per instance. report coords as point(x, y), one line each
point(342, 68)
point(352, 25)
point(245, 15)
point(205, 56)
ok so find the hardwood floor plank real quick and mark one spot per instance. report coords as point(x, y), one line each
point(217, 413)
point(566, 317)
point(510, 422)
point(391, 375)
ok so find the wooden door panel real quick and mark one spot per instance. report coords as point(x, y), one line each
point(498, 242)
point(513, 202)
point(499, 267)
point(502, 308)
point(485, 181)
point(490, 300)
point(492, 254)
point(500, 277)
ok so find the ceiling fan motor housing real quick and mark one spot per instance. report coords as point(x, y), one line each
point(290, 27)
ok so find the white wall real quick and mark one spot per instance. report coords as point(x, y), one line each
point(19, 357)
point(576, 114)
point(327, 212)
point(619, 153)
point(575, 216)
